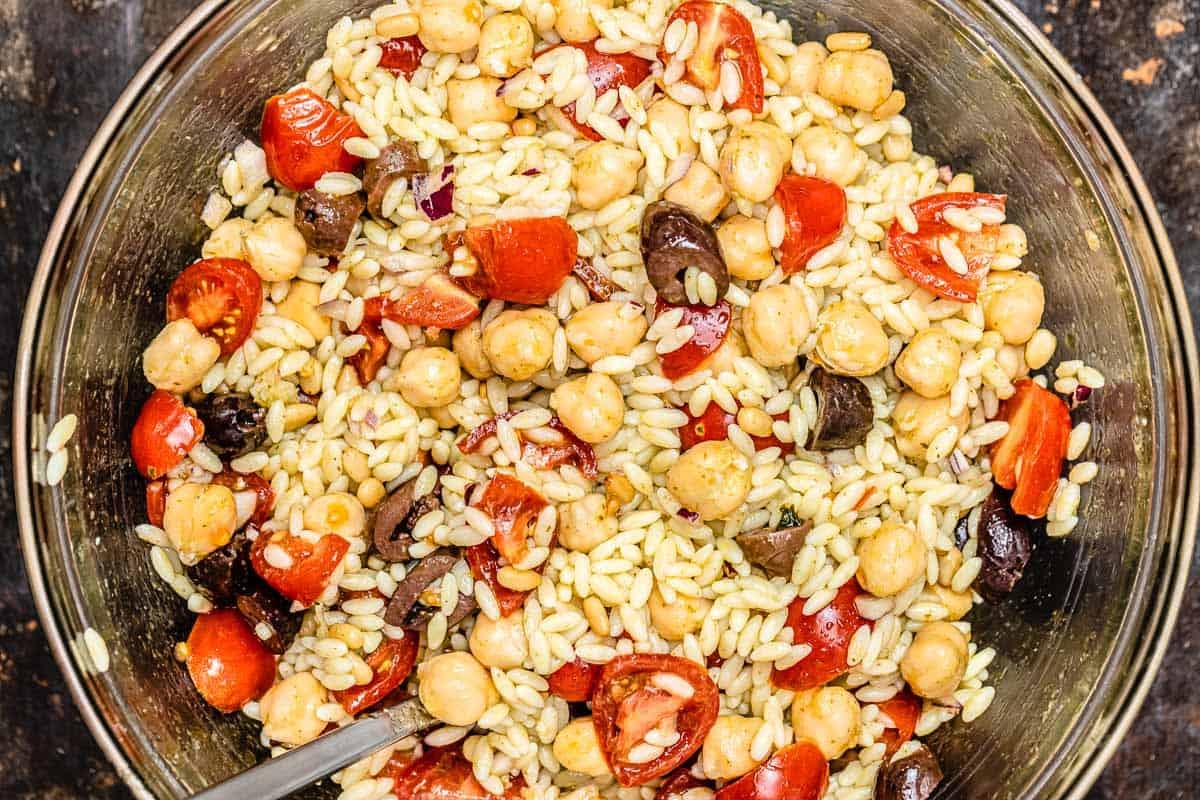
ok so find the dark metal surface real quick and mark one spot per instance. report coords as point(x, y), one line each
point(63, 63)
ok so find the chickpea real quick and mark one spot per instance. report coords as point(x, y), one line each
point(675, 620)
point(1013, 303)
point(577, 748)
point(605, 171)
point(850, 341)
point(599, 330)
point(829, 717)
point(804, 68)
point(917, 420)
point(371, 492)
point(956, 603)
point(891, 559)
point(455, 688)
point(672, 119)
point(929, 364)
point(776, 324)
point(200, 518)
point(859, 79)
point(468, 346)
point(753, 160)
point(520, 343)
point(449, 26)
point(275, 249)
point(505, 45)
point(585, 523)
point(726, 750)
point(475, 100)
point(289, 709)
point(337, 512)
point(834, 154)
point(429, 377)
point(1011, 241)
point(592, 407)
point(936, 660)
point(723, 360)
point(573, 18)
point(179, 357)
point(500, 642)
point(300, 306)
point(712, 479)
point(897, 148)
point(700, 189)
point(228, 240)
point(745, 248)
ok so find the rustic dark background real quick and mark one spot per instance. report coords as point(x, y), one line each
point(63, 62)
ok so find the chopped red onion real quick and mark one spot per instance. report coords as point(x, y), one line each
point(435, 194)
point(371, 419)
point(945, 173)
point(689, 515)
point(532, 171)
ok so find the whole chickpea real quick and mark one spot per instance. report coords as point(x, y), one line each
point(930, 362)
point(936, 660)
point(726, 749)
point(200, 518)
point(672, 119)
point(449, 26)
point(505, 45)
point(592, 407)
point(829, 717)
point(917, 420)
point(859, 79)
point(603, 172)
point(745, 248)
point(337, 512)
point(468, 346)
point(897, 148)
point(1011, 241)
point(429, 377)
point(573, 19)
point(850, 341)
point(804, 68)
point(712, 479)
point(179, 357)
point(455, 688)
point(500, 642)
point(1013, 303)
point(753, 160)
point(701, 190)
point(776, 324)
point(834, 154)
point(473, 100)
point(300, 306)
point(891, 559)
point(585, 523)
point(289, 709)
point(723, 360)
point(275, 249)
point(228, 240)
point(675, 620)
point(600, 330)
point(519, 344)
point(577, 748)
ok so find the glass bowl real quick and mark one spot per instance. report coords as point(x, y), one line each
point(1079, 641)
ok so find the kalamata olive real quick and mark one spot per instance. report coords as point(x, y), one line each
point(391, 530)
point(845, 412)
point(774, 550)
point(326, 221)
point(397, 160)
point(913, 777)
point(405, 608)
point(233, 423)
point(263, 606)
point(674, 239)
point(1004, 546)
point(226, 572)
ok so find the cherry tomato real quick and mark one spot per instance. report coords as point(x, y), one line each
point(238, 482)
point(222, 298)
point(402, 55)
point(484, 561)
point(521, 260)
point(713, 426)
point(1029, 459)
point(575, 681)
point(156, 501)
point(228, 663)
point(814, 211)
point(163, 434)
point(513, 508)
point(903, 710)
point(391, 664)
point(918, 254)
point(311, 567)
point(437, 303)
point(711, 324)
point(367, 361)
point(726, 37)
point(441, 773)
point(635, 694)
point(795, 772)
point(569, 449)
point(607, 71)
point(828, 632)
point(303, 136)
point(677, 784)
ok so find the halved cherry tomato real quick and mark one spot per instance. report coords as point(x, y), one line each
point(575, 681)
point(311, 564)
point(391, 664)
point(1029, 459)
point(402, 55)
point(303, 134)
point(814, 211)
point(570, 449)
point(163, 434)
point(228, 663)
point(441, 773)
point(725, 37)
point(237, 482)
point(635, 694)
point(513, 508)
point(367, 361)
point(439, 302)
point(677, 784)
point(829, 632)
point(222, 298)
point(795, 772)
point(918, 254)
point(484, 561)
point(903, 710)
point(607, 71)
point(156, 501)
point(521, 260)
point(713, 426)
point(711, 324)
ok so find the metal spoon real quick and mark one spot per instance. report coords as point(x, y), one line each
point(309, 763)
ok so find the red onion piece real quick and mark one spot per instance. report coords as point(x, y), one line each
point(435, 193)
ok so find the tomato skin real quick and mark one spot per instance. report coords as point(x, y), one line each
point(904, 710)
point(441, 773)
point(917, 254)
point(829, 632)
point(513, 508)
point(1029, 459)
point(678, 782)
point(725, 35)
point(606, 71)
point(713, 426)
point(312, 564)
point(814, 211)
point(540, 455)
point(238, 482)
point(795, 772)
point(521, 260)
point(367, 361)
point(163, 434)
point(623, 693)
point(221, 296)
point(229, 665)
point(712, 326)
point(484, 561)
point(303, 134)
point(437, 303)
point(402, 55)
point(391, 663)
point(156, 501)
point(575, 681)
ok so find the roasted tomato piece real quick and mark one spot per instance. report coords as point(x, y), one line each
point(521, 260)
point(303, 136)
point(391, 664)
point(677, 784)
point(575, 681)
point(726, 37)
point(711, 324)
point(713, 426)
point(903, 710)
point(598, 285)
point(828, 632)
point(222, 298)
point(484, 561)
point(441, 773)
point(367, 361)
point(402, 55)
point(795, 772)
point(296, 568)
point(568, 449)
point(163, 434)
point(264, 494)
point(437, 303)
point(1029, 459)
point(919, 256)
point(156, 501)
point(607, 71)
point(814, 211)
point(513, 508)
point(228, 663)
point(636, 693)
